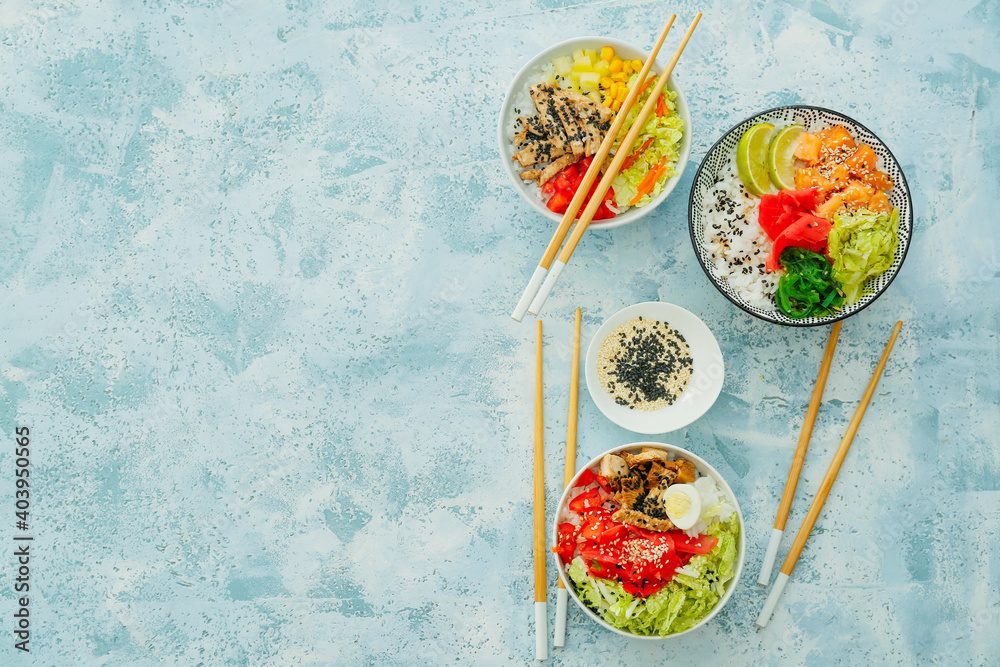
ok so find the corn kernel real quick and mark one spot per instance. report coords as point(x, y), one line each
point(619, 76)
point(622, 93)
point(615, 66)
point(607, 53)
point(616, 106)
point(627, 67)
point(608, 101)
point(636, 65)
point(607, 82)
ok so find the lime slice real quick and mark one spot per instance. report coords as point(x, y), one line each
point(781, 157)
point(751, 154)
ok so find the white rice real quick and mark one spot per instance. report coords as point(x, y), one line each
point(737, 245)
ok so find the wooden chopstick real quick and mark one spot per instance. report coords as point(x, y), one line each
point(800, 456)
point(588, 180)
point(624, 149)
point(824, 487)
point(574, 403)
point(541, 612)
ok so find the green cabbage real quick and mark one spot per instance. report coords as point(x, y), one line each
point(679, 605)
point(862, 245)
point(666, 132)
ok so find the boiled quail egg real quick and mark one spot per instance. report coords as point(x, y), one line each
point(682, 504)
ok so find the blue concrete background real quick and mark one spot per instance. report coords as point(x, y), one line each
point(259, 258)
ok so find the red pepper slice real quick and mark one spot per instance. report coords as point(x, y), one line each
point(587, 499)
point(603, 483)
point(586, 477)
point(695, 545)
point(559, 202)
point(606, 554)
point(594, 528)
point(566, 541)
point(645, 590)
point(563, 181)
point(613, 533)
point(549, 187)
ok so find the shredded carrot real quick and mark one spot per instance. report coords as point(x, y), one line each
point(643, 86)
point(661, 107)
point(631, 158)
point(649, 182)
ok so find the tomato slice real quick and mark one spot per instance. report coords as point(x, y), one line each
point(777, 212)
point(587, 499)
point(586, 477)
point(804, 198)
point(695, 545)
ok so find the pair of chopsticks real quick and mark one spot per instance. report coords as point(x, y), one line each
point(828, 480)
point(541, 616)
point(800, 456)
point(547, 272)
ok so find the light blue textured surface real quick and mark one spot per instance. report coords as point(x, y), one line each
point(258, 264)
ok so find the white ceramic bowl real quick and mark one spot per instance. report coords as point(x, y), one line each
point(707, 373)
point(703, 469)
point(531, 74)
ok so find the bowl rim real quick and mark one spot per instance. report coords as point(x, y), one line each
point(711, 279)
point(638, 308)
point(699, 463)
point(683, 158)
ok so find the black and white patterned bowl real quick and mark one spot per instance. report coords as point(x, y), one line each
point(813, 118)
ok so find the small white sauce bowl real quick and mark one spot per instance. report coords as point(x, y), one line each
point(707, 373)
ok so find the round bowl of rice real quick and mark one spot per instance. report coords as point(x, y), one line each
point(517, 103)
point(692, 604)
point(731, 246)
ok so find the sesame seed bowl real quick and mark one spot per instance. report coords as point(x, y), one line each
point(652, 378)
point(702, 468)
point(720, 207)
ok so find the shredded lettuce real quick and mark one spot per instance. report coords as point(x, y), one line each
point(666, 132)
point(689, 597)
point(862, 245)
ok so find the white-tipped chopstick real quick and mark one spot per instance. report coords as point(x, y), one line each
point(541, 613)
point(800, 456)
point(824, 488)
point(574, 403)
point(624, 149)
point(588, 179)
